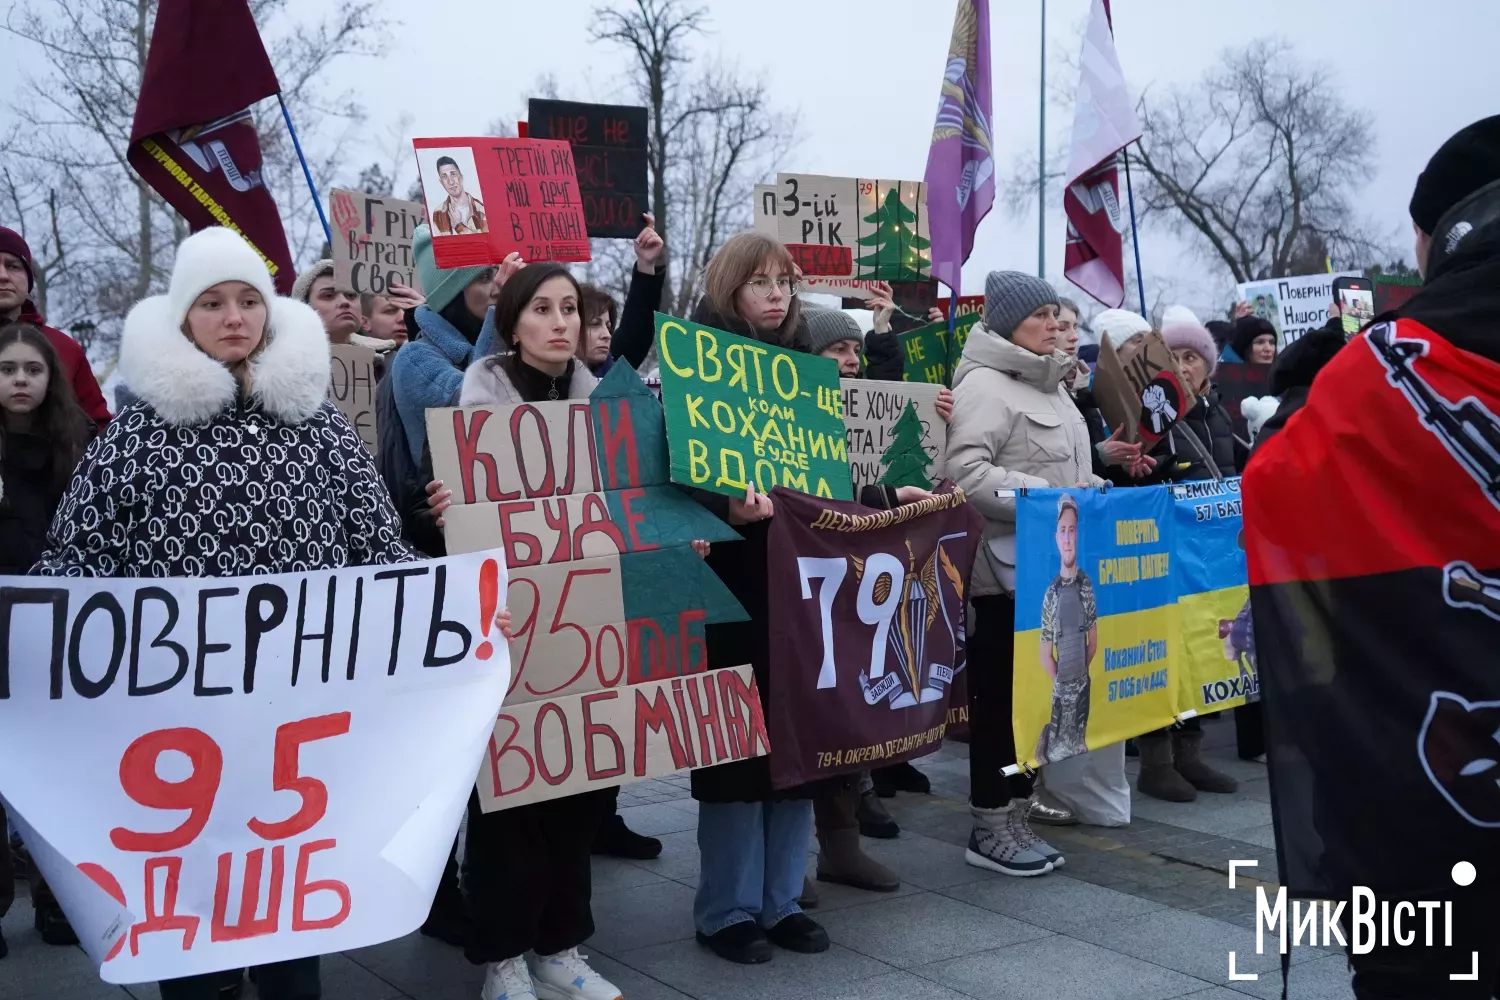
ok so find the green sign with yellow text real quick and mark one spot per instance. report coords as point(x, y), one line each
point(926, 355)
point(740, 412)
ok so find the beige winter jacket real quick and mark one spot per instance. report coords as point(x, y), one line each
point(1014, 425)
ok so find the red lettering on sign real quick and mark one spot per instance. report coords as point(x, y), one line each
point(526, 628)
point(513, 539)
point(497, 754)
point(600, 647)
point(687, 744)
point(632, 519)
point(644, 635)
point(284, 776)
point(466, 438)
point(706, 718)
point(195, 793)
point(302, 888)
point(616, 435)
point(558, 625)
point(734, 690)
point(249, 926)
point(557, 520)
point(596, 519)
point(656, 716)
point(578, 419)
point(734, 720)
point(595, 730)
point(690, 642)
point(548, 484)
point(829, 261)
point(167, 919)
point(111, 885)
point(552, 777)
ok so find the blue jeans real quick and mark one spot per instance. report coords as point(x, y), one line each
point(754, 857)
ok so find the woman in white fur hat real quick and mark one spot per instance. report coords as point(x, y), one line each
point(230, 462)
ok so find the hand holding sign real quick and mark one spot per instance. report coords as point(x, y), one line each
point(755, 507)
point(648, 247)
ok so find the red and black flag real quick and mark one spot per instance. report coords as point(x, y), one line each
point(1372, 528)
point(194, 140)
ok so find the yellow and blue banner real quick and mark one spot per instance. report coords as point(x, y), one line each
point(1130, 614)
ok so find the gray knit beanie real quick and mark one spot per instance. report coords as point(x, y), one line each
point(302, 287)
point(1011, 296)
point(826, 327)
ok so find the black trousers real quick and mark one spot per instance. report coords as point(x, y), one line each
point(7, 868)
point(527, 879)
point(295, 980)
point(992, 670)
point(1250, 730)
point(1416, 972)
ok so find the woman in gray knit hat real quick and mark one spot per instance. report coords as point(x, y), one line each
point(1014, 426)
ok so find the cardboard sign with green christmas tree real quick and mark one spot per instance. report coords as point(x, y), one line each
point(896, 437)
point(854, 228)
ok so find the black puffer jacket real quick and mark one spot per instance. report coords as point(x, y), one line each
point(742, 568)
point(27, 501)
point(193, 480)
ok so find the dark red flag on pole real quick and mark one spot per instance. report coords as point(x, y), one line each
point(193, 139)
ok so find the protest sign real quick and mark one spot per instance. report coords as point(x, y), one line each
point(1130, 614)
point(605, 592)
point(740, 411)
point(609, 153)
point(855, 227)
point(1217, 651)
point(1094, 619)
point(351, 386)
point(1394, 291)
point(241, 771)
point(1237, 381)
point(895, 436)
point(927, 355)
point(967, 305)
point(1141, 389)
point(883, 593)
point(1293, 305)
point(372, 241)
point(489, 197)
point(767, 224)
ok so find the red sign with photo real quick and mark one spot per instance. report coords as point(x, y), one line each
point(489, 197)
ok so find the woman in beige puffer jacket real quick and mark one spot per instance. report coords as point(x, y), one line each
point(1014, 426)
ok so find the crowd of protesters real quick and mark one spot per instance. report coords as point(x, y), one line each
point(224, 365)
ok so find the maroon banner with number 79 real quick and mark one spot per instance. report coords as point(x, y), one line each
point(867, 634)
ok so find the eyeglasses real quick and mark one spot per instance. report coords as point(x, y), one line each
point(762, 286)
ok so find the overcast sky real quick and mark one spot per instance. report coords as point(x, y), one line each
point(863, 76)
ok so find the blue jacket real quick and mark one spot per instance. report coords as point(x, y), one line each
point(429, 371)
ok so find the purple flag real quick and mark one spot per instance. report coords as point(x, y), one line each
point(961, 163)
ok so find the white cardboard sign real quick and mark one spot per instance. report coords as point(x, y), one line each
point(239, 771)
point(872, 411)
point(1295, 306)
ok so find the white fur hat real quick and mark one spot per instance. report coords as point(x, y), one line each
point(206, 258)
point(1120, 324)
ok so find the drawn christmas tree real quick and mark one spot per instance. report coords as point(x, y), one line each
point(906, 460)
point(900, 254)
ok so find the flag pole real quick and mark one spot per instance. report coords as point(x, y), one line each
point(286, 115)
point(1135, 239)
point(1041, 170)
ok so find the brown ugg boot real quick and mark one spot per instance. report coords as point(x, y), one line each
point(1186, 753)
point(1158, 778)
point(841, 860)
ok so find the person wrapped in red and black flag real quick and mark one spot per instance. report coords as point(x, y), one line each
point(1373, 537)
point(194, 140)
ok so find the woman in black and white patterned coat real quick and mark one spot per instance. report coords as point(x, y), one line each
point(230, 462)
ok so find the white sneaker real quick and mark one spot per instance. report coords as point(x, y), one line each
point(508, 980)
point(566, 976)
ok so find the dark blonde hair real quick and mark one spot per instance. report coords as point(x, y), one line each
point(737, 262)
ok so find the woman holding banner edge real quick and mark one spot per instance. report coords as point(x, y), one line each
point(235, 380)
point(1014, 426)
